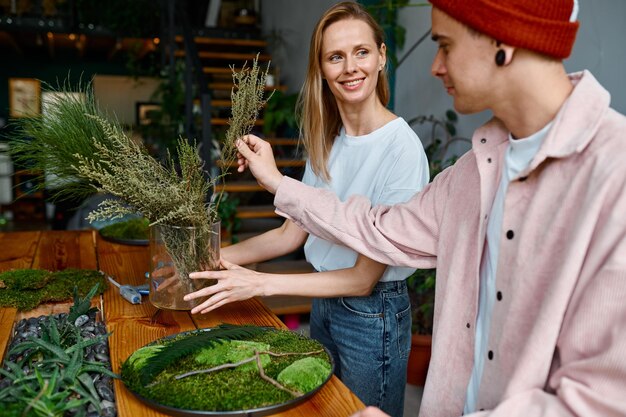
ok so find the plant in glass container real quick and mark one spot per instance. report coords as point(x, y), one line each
point(76, 142)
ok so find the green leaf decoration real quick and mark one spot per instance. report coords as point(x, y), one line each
point(194, 341)
point(81, 305)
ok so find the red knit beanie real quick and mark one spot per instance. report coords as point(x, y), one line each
point(542, 26)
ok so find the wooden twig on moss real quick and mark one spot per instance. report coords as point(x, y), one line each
point(244, 361)
point(272, 381)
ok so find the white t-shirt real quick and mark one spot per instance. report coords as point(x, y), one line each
point(388, 166)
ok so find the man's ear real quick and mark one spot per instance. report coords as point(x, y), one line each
point(504, 54)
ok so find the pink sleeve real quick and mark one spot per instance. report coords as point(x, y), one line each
point(402, 234)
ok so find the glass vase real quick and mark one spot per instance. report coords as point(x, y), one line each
point(174, 253)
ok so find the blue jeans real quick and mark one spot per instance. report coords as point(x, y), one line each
point(370, 339)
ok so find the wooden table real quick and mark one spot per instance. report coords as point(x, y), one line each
point(131, 325)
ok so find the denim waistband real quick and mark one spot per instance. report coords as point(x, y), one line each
point(390, 287)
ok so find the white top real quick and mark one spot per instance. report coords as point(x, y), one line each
point(388, 166)
point(517, 157)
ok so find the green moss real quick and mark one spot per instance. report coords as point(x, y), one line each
point(57, 286)
point(305, 374)
point(133, 229)
point(21, 279)
point(229, 389)
point(232, 352)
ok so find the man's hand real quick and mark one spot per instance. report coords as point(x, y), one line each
point(256, 154)
point(370, 412)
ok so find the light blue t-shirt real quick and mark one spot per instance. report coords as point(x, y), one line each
point(517, 158)
point(388, 166)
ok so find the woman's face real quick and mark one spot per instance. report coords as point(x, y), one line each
point(351, 61)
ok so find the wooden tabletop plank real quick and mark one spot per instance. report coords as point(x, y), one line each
point(59, 249)
point(133, 326)
point(17, 249)
point(7, 318)
point(127, 264)
point(242, 312)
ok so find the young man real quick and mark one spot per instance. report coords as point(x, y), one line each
point(527, 231)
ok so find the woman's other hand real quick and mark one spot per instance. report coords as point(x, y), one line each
point(234, 283)
point(256, 154)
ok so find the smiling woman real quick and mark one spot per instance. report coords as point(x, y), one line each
point(355, 145)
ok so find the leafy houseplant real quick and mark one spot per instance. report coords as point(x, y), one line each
point(76, 141)
point(279, 116)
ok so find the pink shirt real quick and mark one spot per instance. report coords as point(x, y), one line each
point(557, 342)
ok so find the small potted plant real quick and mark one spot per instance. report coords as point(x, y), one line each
point(421, 286)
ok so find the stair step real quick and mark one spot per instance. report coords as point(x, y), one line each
point(238, 56)
point(239, 187)
point(224, 122)
point(229, 86)
point(256, 212)
point(280, 163)
point(221, 103)
point(282, 141)
point(200, 40)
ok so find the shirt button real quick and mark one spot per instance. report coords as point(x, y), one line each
point(510, 234)
point(467, 325)
point(483, 140)
point(490, 354)
point(489, 160)
point(499, 295)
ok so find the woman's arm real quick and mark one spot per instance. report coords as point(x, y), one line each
point(269, 245)
point(236, 283)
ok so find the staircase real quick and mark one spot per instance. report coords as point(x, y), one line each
point(215, 55)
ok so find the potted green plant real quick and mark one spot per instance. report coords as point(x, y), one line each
point(421, 283)
point(279, 116)
point(421, 286)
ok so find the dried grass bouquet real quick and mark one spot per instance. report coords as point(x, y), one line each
point(86, 152)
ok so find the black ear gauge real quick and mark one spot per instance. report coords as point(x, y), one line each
point(500, 57)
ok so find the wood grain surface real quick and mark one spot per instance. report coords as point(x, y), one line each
point(133, 326)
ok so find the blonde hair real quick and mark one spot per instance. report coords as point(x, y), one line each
point(317, 110)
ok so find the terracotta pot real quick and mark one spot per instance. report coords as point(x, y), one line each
point(419, 359)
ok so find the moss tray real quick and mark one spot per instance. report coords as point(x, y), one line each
point(156, 372)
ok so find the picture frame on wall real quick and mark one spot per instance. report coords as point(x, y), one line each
point(24, 97)
point(144, 110)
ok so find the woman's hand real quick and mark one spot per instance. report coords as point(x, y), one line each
point(234, 283)
point(256, 154)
